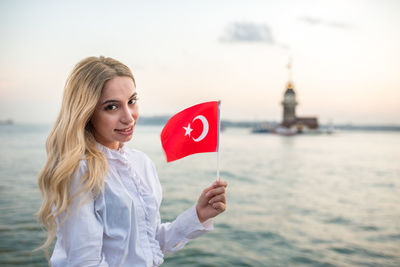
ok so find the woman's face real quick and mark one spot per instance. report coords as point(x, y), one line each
point(116, 113)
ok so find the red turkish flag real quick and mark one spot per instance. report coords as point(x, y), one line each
point(193, 130)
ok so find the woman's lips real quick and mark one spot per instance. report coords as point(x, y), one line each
point(126, 131)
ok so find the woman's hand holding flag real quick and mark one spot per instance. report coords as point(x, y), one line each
point(212, 201)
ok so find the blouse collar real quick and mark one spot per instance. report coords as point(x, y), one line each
point(112, 153)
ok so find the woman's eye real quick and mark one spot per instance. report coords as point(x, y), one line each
point(132, 101)
point(110, 107)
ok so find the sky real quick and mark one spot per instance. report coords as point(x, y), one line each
point(345, 55)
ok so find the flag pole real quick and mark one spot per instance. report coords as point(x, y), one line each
point(219, 138)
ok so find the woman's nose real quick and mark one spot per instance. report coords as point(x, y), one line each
point(127, 116)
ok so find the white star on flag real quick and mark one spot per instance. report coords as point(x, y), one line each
point(188, 130)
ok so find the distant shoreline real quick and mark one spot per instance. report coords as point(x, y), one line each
point(162, 120)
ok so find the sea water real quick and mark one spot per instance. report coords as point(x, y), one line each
point(305, 200)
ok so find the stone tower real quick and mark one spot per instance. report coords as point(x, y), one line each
point(289, 105)
point(289, 100)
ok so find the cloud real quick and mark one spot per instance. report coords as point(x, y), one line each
point(316, 21)
point(247, 32)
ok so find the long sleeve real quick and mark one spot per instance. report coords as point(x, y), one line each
point(80, 232)
point(173, 236)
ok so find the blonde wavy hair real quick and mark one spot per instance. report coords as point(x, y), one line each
point(72, 140)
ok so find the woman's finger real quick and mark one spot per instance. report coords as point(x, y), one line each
point(205, 191)
point(218, 183)
point(218, 198)
point(219, 206)
point(215, 191)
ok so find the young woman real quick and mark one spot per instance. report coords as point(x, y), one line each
point(101, 199)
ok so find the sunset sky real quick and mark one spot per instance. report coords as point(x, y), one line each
point(345, 55)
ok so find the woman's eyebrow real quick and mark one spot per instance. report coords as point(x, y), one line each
point(110, 101)
point(117, 101)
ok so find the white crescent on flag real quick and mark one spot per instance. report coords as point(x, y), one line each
point(205, 128)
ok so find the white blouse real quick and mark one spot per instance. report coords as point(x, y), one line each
point(121, 226)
